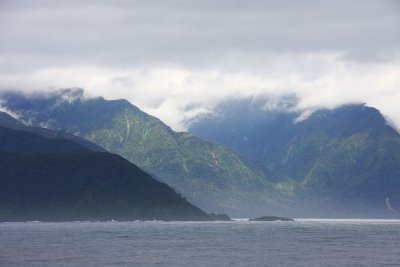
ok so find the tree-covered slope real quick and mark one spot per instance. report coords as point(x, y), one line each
point(341, 162)
point(347, 159)
point(208, 174)
point(52, 179)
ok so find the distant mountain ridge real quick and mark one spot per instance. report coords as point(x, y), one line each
point(348, 157)
point(48, 178)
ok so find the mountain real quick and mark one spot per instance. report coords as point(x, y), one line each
point(208, 174)
point(47, 178)
point(258, 161)
point(347, 159)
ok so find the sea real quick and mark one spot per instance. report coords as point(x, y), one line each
point(304, 242)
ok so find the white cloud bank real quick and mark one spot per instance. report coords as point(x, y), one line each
point(177, 59)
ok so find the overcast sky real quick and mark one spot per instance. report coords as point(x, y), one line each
point(175, 59)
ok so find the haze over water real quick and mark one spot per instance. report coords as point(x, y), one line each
point(238, 243)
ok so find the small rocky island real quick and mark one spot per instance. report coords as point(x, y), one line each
point(271, 219)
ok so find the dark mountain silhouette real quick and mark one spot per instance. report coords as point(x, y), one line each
point(48, 178)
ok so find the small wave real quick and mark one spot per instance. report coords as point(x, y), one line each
point(240, 219)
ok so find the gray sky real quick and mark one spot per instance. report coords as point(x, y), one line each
point(175, 59)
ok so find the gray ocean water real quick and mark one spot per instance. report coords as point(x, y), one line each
point(239, 243)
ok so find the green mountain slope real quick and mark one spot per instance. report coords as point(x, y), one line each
point(208, 174)
point(347, 159)
point(53, 179)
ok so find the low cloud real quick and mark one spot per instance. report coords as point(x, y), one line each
point(177, 59)
point(175, 94)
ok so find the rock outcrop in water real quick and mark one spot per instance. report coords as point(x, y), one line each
point(271, 219)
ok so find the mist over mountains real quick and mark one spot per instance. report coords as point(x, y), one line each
point(346, 157)
point(341, 162)
point(166, 56)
